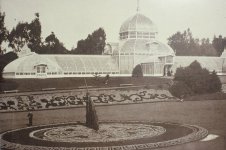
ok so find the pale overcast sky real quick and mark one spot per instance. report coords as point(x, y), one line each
point(72, 20)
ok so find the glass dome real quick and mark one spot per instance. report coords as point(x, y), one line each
point(138, 26)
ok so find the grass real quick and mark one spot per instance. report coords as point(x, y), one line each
point(209, 96)
point(190, 112)
point(210, 114)
point(207, 114)
point(71, 83)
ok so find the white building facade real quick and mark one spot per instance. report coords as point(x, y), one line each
point(138, 45)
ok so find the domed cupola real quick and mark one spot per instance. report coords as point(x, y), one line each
point(138, 27)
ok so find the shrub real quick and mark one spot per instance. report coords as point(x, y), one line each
point(180, 89)
point(169, 73)
point(199, 80)
point(137, 71)
point(214, 83)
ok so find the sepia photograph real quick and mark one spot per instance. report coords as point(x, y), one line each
point(112, 74)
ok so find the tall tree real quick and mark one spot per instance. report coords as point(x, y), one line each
point(182, 43)
point(35, 34)
point(98, 41)
point(206, 48)
point(219, 44)
point(52, 45)
point(3, 31)
point(93, 44)
point(5, 59)
point(185, 45)
point(26, 33)
point(18, 37)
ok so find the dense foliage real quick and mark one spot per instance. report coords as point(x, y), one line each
point(5, 59)
point(219, 44)
point(186, 45)
point(93, 44)
point(26, 34)
point(29, 34)
point(196, 79)
point(52, 45)
point(137, 71)
point(180, 90)
point(3, 31)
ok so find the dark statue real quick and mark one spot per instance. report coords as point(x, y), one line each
point(91, 115)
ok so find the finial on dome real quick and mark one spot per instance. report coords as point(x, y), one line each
point(138, 5)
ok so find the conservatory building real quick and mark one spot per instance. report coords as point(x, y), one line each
point(138, 45)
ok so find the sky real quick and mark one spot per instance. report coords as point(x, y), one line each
point(73, 20)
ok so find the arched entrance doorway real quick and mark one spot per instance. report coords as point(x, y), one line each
point(167, 71)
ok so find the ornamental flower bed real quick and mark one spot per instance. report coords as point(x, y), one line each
point(77, 99)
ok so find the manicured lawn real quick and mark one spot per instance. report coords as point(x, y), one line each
point(207, 110)
point(210, 114)
point(210, 96)
point(70, 83)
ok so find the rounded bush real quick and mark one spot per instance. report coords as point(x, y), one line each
point(196, 79)
point(180, 89)
point(137, 71)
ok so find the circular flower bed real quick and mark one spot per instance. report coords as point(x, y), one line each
point(111, 136)
point(108, 132)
